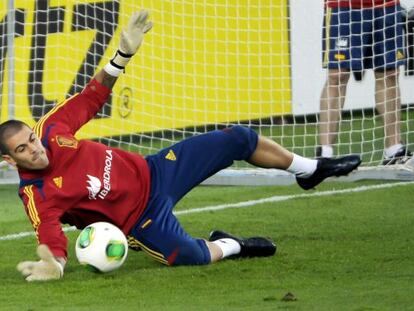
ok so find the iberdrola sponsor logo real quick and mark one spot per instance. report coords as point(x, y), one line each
point(106, 175)
point(95, 187)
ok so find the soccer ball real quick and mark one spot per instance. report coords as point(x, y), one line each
point(102, 247)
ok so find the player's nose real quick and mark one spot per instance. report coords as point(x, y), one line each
point(33, 148)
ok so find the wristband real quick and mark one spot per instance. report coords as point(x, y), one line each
point(117, 64)
point(112, 70)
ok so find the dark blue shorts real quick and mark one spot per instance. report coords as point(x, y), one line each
point(358, 39)
point(174, 172)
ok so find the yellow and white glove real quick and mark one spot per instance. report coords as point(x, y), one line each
point(47, 268)
point(131, 39)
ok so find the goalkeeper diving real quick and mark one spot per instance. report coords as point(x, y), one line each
point(64, 180)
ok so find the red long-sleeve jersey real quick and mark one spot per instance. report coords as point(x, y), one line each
point(358, 4)
point(85, 181)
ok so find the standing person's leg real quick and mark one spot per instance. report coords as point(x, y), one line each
point(331, 104)
point(338, 43)
point(388, 103)
point(388, 53)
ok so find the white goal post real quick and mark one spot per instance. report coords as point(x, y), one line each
point(205, 65)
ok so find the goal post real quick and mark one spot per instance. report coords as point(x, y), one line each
point(206, 64)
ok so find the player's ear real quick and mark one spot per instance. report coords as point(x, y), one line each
point(9, 160)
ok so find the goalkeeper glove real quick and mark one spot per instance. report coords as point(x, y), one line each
point(131, 39)
point(47, 268)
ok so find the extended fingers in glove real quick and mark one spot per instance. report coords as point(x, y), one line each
point(138, 20)
point(142, 16)
point(38, 277)
point(26, 267)
point(147, 27)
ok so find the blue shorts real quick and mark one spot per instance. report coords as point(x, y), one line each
point(174, 172)
point(358, 39)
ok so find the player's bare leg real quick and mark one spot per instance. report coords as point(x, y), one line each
point(332, 102)
point(216, 252)
point(387, 98)
point(269, 154)
point(388, 103)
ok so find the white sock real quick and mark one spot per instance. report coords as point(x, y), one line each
point(302, 167)
point(391, 151)
point(228, 247)
point(326, 151)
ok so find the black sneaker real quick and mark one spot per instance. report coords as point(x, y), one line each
point(250, 247)
point(400, 157)
point(329, 167)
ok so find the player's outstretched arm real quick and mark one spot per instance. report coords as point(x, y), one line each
point(131, 40)
point(47, 268)
point(97, 92)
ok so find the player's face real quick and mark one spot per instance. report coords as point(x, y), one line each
point(26, 150)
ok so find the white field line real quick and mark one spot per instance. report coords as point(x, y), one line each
point(279, 198)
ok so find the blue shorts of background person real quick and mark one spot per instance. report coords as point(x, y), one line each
point(174, 172)
point(358, 39)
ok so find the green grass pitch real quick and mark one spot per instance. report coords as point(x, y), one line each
point(350, 251)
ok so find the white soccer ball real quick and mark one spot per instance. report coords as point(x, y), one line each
point(102, 247)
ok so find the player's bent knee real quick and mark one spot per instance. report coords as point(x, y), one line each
point(244, 141)
point(195, 253)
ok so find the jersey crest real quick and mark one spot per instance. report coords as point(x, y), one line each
point(70, 142)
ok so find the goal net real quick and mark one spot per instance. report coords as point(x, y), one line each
point(205, 65)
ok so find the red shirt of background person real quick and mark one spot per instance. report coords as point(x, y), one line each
point(358, 4)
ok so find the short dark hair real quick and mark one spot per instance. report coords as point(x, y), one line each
point(7, 129)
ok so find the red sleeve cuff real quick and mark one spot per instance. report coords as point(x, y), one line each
point(59, 253)
point(94, 89)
